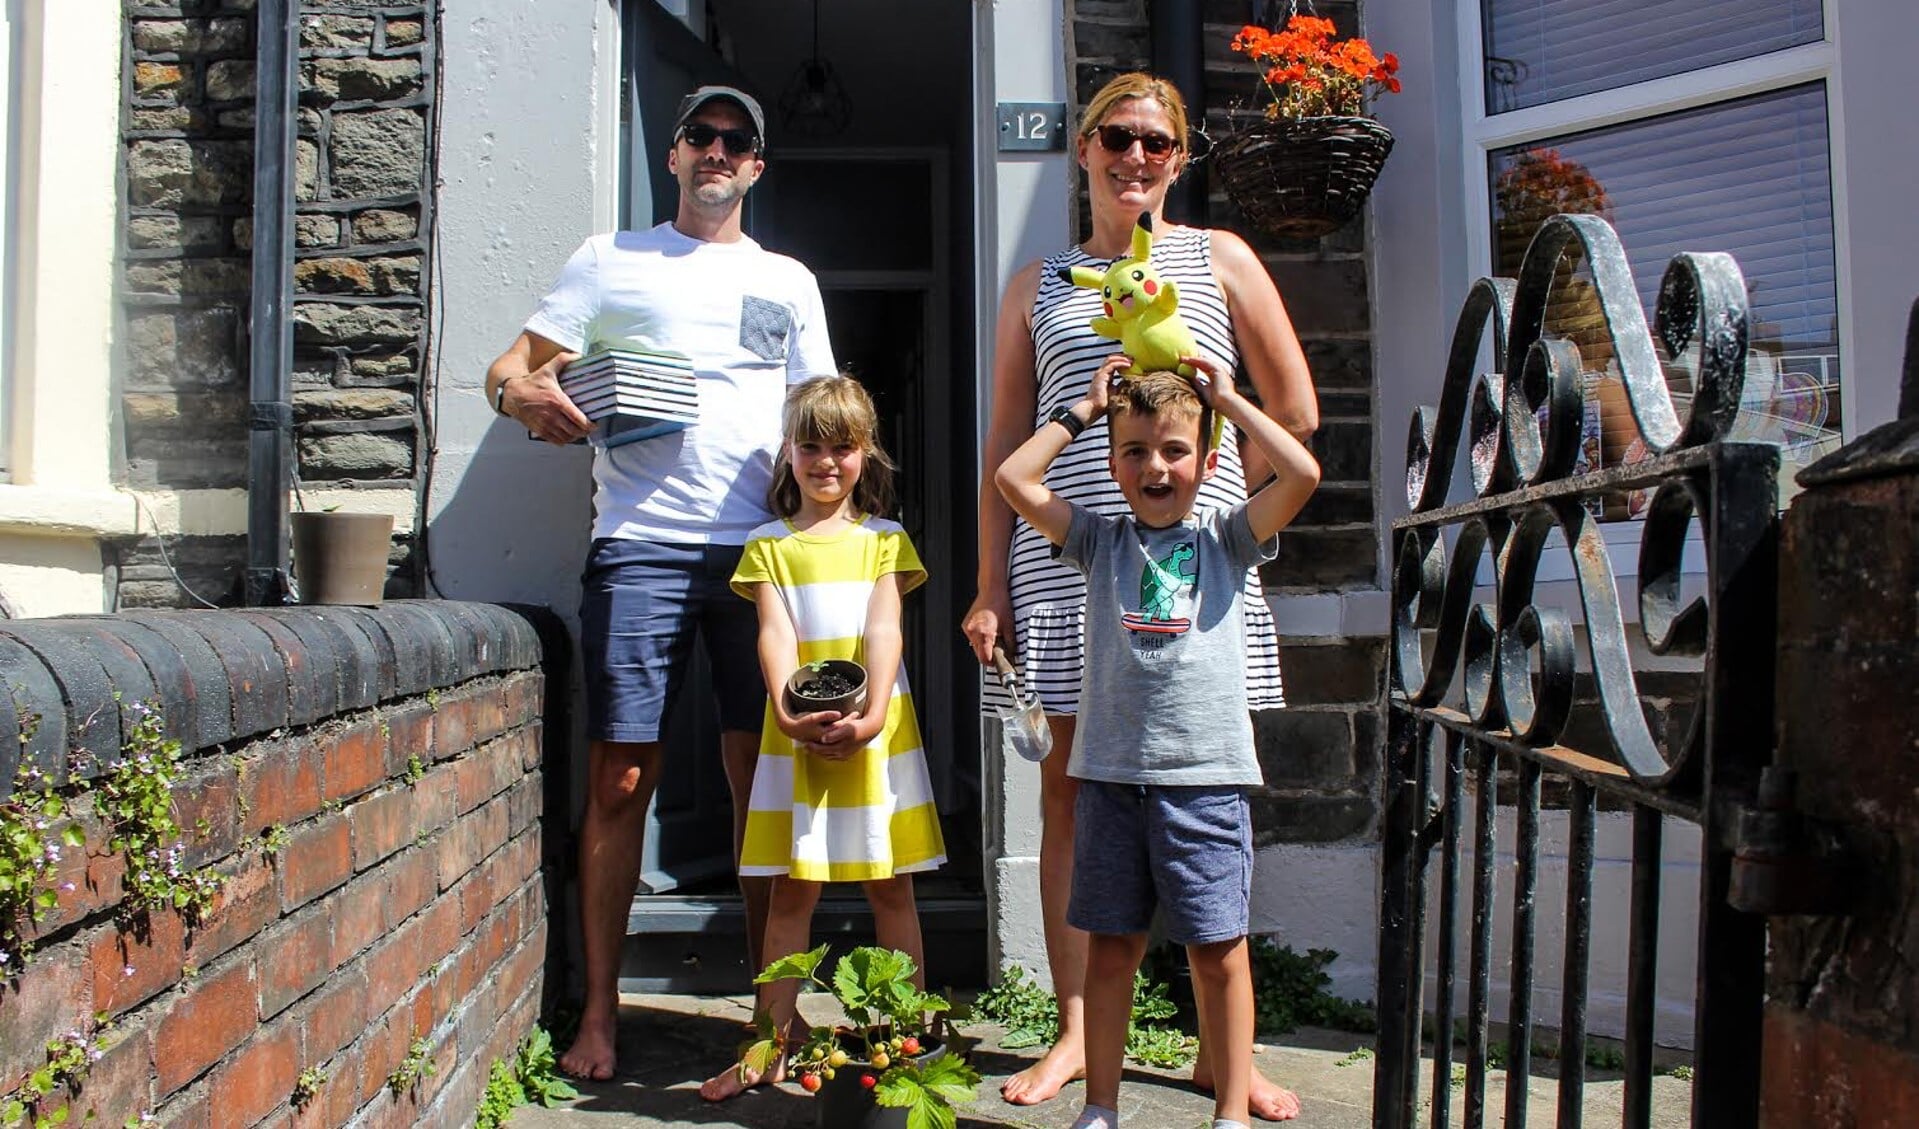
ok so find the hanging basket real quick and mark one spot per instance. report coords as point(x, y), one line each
point(1301, 178)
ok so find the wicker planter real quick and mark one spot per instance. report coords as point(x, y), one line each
point(1301, 178)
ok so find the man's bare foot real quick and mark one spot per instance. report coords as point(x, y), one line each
point(1041, 1081)
point(591, 1056)
point(1268, 1100)
point(736, 1080)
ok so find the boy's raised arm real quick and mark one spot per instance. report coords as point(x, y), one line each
point(1296, 472)
point(1021, 478)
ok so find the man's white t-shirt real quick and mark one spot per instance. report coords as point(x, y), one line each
point(751, 321)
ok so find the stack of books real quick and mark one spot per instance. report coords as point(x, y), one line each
point(633, 395)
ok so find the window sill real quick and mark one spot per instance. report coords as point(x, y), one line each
point(39, 511)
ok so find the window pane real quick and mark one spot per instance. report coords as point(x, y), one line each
point(1544, 50)
point(1749, 177)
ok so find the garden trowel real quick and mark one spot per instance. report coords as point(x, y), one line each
point(1023, 723)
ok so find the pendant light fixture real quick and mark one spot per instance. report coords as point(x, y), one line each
point(814, 104)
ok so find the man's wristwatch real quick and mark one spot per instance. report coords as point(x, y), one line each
point(499, 396)
point(1062, 414)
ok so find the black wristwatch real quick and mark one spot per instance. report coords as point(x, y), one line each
point(499, 396)
point(1062, 414)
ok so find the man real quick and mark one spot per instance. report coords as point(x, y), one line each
point(672, 512)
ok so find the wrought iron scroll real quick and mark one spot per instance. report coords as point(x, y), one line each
point(1512, 662)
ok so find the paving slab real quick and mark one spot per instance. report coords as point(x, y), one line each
point(669, 1044)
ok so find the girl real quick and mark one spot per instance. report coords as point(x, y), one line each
point(835, 798)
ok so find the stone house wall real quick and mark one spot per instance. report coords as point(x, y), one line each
point(365, 120)
point(366, 784)
point(1320, 755)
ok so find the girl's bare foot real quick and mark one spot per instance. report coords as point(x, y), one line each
point(1268, 1100)
point(591, 1056)
point(1040, 1082)
point(737, 1079)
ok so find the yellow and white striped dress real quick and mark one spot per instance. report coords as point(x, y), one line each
point(871, 815)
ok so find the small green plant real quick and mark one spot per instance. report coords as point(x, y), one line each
point(307, 1086)
point(1148, 1041)
point(1357, 1054)
point(889, 1015)
point(415, 769)
point(1681, 1072)
point(531, 1076)
point(433, 700)
point(1605, 1056)
point(1028, 1012)
point(1289, 991)
point(415, 1066)
point(1458, 1079)
point(135, 802)
point(275, 840)
point(69, 1058)
point(33, 833)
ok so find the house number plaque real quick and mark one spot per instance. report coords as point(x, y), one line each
point(1032, 125)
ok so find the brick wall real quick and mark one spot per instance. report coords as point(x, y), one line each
point(1842, 1008)
point(1320, 755)
point(397, 751)
point(363, 214)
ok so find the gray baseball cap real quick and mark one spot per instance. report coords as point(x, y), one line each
point(692, 103)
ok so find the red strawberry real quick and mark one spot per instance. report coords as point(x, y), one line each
point(810, 1083)
point(867, 1081)
point(909, 1046)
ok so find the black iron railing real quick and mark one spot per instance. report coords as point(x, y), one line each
point(1480, 692)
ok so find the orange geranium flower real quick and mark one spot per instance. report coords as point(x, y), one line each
point(1309, 73)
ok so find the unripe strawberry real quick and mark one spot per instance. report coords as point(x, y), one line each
point(881, 1060)
point(909, 1046)
point(837, 1058)
point(810, 1083)
point(867, 1081)
point(830, 1073)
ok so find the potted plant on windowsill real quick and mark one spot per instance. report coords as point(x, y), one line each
point(887, 1068)
point(1305, 168)
point(341, 558)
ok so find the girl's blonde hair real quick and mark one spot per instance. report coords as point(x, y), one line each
point(832, 409)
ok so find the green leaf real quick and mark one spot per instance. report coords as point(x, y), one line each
point(758, 1056)
point(799, 966)
point(1021, 1038)
point(951, 1077)
point(72, 836)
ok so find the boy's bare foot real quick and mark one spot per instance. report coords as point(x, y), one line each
point(1268, 1100)
point(736, 1080)
point(591, 1056)
point(1041, 1081)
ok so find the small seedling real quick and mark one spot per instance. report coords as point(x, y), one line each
point(307, 1086)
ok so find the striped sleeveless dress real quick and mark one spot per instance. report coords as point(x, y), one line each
point(1048, 598)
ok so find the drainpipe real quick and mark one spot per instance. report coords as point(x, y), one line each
point(270, 350)
point(1179, 56)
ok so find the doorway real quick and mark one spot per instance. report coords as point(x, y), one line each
point(870, 209)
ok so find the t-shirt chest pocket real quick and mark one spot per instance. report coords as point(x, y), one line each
point(766, 328)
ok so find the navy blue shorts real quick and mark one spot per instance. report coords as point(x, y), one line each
point(1186, 850)
point(641, 605)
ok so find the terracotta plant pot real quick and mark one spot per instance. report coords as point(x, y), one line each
point(848, 697)
point(845, 1104)
point(341, 558)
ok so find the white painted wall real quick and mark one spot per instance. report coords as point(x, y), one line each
point(1023, 214)
point(527, 172)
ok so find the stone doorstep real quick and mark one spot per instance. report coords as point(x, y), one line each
point(671, 1042)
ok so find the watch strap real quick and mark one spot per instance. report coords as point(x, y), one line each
point(1062, 414)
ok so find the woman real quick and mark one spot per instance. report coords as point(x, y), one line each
point(1133, 145)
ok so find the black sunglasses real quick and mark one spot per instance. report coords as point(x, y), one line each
point(1118, 139)
point(738, 142)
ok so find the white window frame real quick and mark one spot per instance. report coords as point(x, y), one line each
point(1482, 133)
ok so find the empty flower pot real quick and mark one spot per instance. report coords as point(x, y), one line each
point(341, 558)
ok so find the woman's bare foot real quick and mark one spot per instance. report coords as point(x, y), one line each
point(1268, 1100)
point(737, 1079)
point(1040, 1082)
point(591, 1056)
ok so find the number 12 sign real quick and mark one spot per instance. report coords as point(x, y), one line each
point(1032, 125)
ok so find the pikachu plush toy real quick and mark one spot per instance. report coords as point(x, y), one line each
point(1141, 311)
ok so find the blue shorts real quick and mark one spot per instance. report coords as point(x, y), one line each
point(1188, 850)
point(641, 604)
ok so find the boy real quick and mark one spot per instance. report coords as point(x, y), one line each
point(1165, 743)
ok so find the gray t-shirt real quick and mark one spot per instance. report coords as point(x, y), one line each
point(1164, 697)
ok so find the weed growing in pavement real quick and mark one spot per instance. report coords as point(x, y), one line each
point(415, 1066)
point(307, 1086)
point(531, 1076)
point(1289, 991)
point(1030, 1016)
